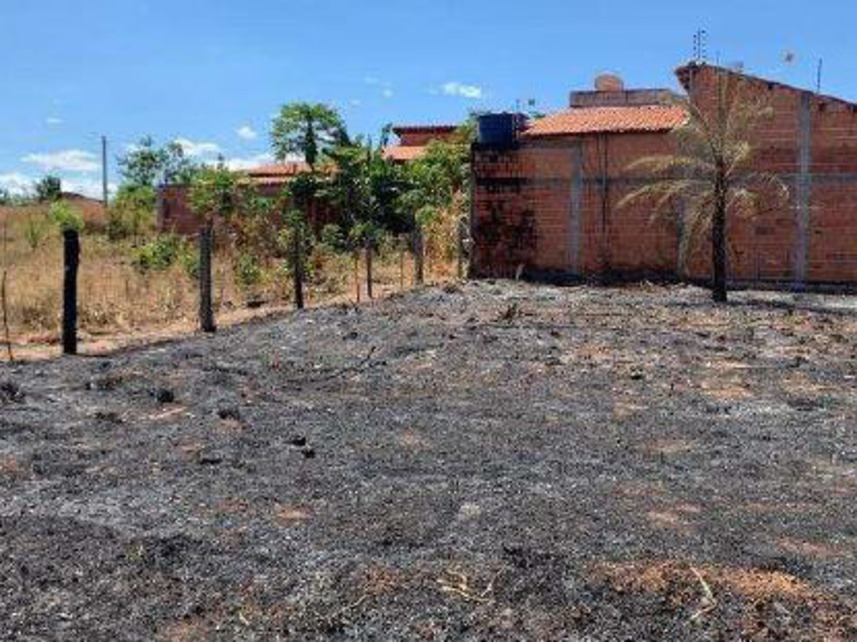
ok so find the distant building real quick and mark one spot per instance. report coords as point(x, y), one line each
point(545, 196)
point(174, 213)
point(413, 140)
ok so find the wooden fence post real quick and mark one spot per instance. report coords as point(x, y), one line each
point(401, 265)
point(71, 261)
point(419, 256)
point(298, 267)
point(357, 274)
point(459, 249)
point(206, 309)
point(369, 270)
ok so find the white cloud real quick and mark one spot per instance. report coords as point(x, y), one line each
point(355, 102)
point(245, 163)
point(16, 183)
point(90, 187)
point(20, 184)
point(385, 85)
point(53, 120)
point(454, 88)
point(68, 160)
point(192, 148)
point(246, 132)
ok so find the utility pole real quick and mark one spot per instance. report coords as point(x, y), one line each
point(104, 170)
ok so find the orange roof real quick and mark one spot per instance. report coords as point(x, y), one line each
point(278, 170)
point(404, 153)
point(590, 120)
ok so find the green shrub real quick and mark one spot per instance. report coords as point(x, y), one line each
point(159, 254)
point(247, 269)
point(132, 212)
point(333, 238)
point(190, 262)
point(35, 230)
point(65, 217)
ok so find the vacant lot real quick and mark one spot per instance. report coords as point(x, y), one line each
point(486, 461)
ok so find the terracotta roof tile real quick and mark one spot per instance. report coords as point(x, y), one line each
point(590, 120)
point(280, 169)
point(404, 153)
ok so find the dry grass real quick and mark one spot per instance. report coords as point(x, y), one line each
point(702, 589)
point(118, 303)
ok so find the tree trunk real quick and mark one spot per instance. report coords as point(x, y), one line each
point(718, 251)
point(459, 250)
point(298, 268)
point(369, 271)
point(71, 248)
point(419, 256)
point(357, 274)
point(401, 267)
point(206, 307)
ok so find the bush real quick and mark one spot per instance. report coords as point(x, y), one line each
point(158, 254)
point(190, 262)
point(132, 212)
point(333, 238)
point(35, 230)
point(247, 269)
point(65, 217)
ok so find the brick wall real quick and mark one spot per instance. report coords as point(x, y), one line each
point(549, 206)
point(175, 215)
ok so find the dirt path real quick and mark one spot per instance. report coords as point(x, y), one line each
point(495, 460)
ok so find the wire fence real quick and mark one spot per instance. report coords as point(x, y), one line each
point(122, 293)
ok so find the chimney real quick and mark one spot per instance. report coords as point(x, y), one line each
point(610, 92)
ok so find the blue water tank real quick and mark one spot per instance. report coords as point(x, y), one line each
point(498, 129)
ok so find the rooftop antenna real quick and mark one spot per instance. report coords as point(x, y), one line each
point(818, 76)
point(700, 46)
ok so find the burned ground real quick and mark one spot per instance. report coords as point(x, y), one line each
point(494, 460)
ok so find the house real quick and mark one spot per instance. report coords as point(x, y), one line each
point(174, 213)
point(546, 193)
point(413, 140)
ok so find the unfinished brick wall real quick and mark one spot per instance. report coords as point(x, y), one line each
point(549, 206)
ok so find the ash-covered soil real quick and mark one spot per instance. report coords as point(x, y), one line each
point(485, 461)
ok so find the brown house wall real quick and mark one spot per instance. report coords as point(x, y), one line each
point(550, 206)
point(175, 215)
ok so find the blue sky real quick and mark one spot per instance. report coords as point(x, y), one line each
point(211, 72)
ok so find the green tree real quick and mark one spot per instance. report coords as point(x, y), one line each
point(213, 194)
point(293, 239)
point(146, 164)
point(307, 129)
point(365, 188)
point(132, 212)
point(48, 188)
point(710, 173)
point(437, 193)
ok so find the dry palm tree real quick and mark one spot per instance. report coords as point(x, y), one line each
point(710, 172)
